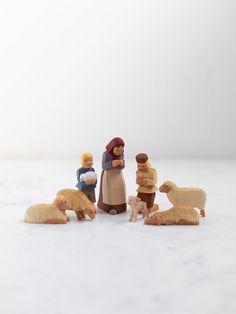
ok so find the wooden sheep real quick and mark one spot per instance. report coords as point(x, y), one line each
point(173, 216)
point(47, 213)
point(88, 176)
point(184, 197)
point(78, 202)
point(136, 206)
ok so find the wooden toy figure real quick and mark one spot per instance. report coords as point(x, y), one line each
point(86, 176)
point(173, 216)
point(76, 201)
point(137, 206)
point(146, 178)
point(185, 197)
point(48, 213)
point(112, 196)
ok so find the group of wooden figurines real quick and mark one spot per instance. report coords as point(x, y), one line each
point(112, 194)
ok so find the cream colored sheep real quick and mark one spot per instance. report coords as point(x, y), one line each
point(184, 197)
point(90, 175)
point(136, 206)
point(48, 213)
point(45, 213)
point(173, 216)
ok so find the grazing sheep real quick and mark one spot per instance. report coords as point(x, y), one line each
point(173, 216)
point(136, 206)
point(185, 197)
point(45, 213)
point(87, 176)
point(78, 202)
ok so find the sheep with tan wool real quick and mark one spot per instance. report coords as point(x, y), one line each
point(181, 197)
point(78, 202)
point(137, 206)
point(173, 216)
point(48, 213)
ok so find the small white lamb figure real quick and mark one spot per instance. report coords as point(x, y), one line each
point(136, 206)
point(184, 197)
point(90, 175)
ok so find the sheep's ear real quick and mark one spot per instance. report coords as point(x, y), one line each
point(137, 198)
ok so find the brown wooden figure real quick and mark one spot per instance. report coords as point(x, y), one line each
point(146, 178)
point(112, 196)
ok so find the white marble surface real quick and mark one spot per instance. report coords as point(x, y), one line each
point(111, 265)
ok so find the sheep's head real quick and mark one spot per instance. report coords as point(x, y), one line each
point(153, 219)
point(61, 203)
point(166, 187)
point(91, 212)
point(133, 200)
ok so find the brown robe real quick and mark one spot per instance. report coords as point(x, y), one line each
point(112, 191)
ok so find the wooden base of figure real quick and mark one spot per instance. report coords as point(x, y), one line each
point(54, 221)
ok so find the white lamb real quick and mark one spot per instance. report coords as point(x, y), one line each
point(185, 197)
point(87, 176)
point(136, 206)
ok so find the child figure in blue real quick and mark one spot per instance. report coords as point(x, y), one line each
point(86, 177)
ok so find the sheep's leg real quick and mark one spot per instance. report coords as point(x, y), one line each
point(79, 215)
point(145, 212)
point(135, 216)
point(202, 212)
point(131, 216)
point(67, 217)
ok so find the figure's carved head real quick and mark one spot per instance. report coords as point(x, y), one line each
point(86, 160)
point(91, 212)
point(118, 150)
point(166, 187)
point(61, 203)
point(133, 200)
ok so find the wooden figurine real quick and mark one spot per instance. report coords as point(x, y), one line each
point(86, 177)
point(173, 216)
point(78, 202)
point(112, 196)
point(146, 178)
point(137, 206)
point(48, 213)
point(185, 197)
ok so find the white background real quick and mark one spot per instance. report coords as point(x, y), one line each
point(160, 74)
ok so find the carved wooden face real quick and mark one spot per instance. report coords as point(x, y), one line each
point(133, 199)
point(142, 167)
point(118, 150)
point(87, 163)
point(164, 188)
point(61, 203)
